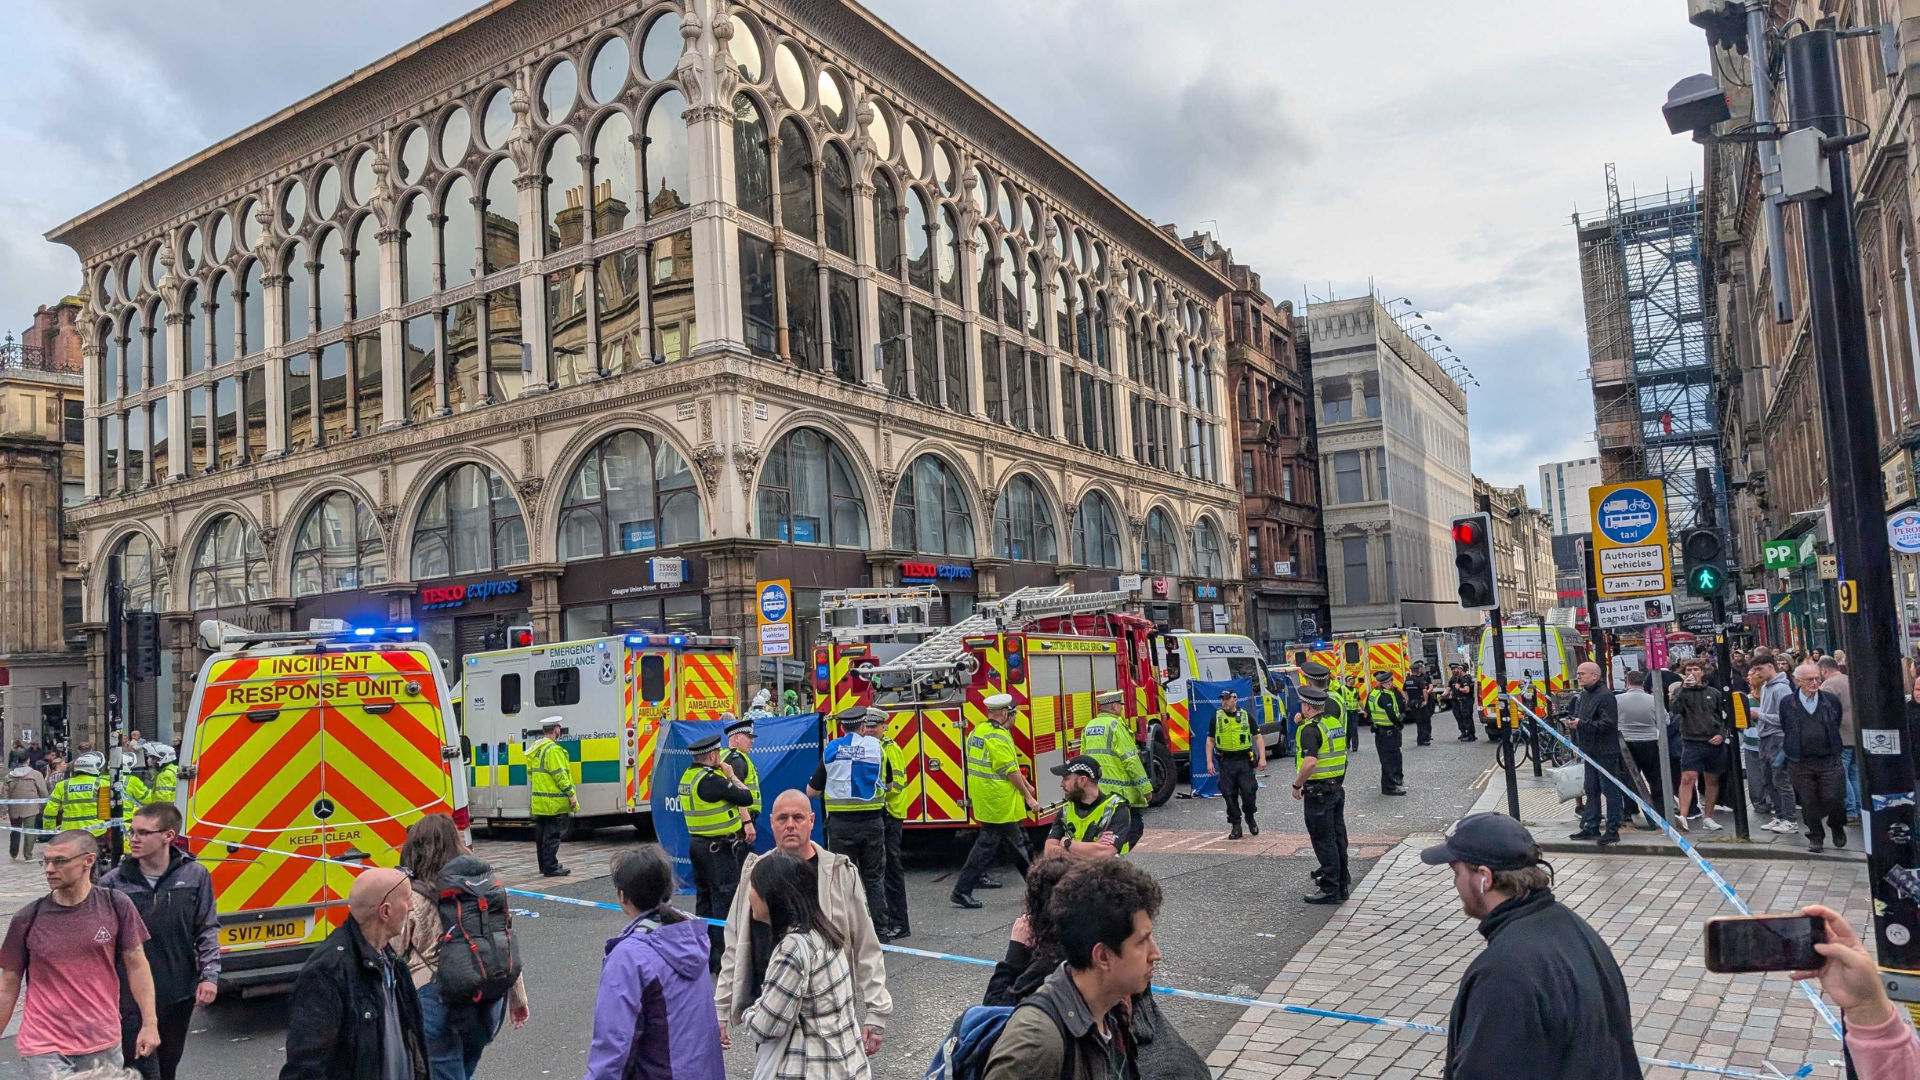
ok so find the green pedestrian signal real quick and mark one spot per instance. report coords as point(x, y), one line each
point(1705, 553)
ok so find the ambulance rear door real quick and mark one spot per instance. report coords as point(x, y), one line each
point(254, 781)
point(387, 755)
point(579, 681)
point(495, 693)
point(651, 686)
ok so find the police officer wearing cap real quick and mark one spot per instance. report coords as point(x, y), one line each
point(714, 804)
point(1093, 824)
point(1108, 739)
point(1319, 782)
point(1234, 748)
point(849, 781)
point(1460, 697)
point(1336, 706)
point(996, 790)
point(740, 763)
point(1545, 998)
point(1387, 710)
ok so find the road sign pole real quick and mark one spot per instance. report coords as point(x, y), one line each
point(1504, 704)
point(1839, 335)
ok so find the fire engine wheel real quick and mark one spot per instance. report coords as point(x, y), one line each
point(1162, 776)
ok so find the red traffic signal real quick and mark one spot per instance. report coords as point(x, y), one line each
point(1473, 560)
point(1468, 530)
point(519, 637)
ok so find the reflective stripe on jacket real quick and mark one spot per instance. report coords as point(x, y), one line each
point(1232, 731)
point(1107, 740)
point(551, 773)
point(75, 804)
point(1331, 761)
point(706, 818)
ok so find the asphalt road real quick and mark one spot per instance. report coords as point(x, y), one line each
point(1229, 924)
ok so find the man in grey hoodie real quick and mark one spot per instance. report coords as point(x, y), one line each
point(1771, 786)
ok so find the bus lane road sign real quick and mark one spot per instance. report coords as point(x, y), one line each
point(1630, 540)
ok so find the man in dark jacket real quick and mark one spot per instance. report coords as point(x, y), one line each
point(1810, 721)
point(1595, 720)
point(354, 1014)
point(1545, 999)
point(1703, 743)
point(1419, 691)
point(174, 895)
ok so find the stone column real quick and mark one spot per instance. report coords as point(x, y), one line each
point(707, 75)
point(274, 286)
point(393, 353)
point(544, 608)
point(177, 450)
point(732, 574)
point(90, 364)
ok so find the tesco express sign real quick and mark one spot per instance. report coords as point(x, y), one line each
point(451, 596)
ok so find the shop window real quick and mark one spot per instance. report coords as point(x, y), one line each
point(1022, 525)
point(1096, 533)
point(556, 686)
point(229, 566)
point(930, 511)
point(470, 523)
point(339, 546)
point(510, 694)
point(1160, 553)
point(808, 495)
point(632, 492)
point(653, 677)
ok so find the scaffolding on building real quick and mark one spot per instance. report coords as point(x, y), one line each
point(1648, 322)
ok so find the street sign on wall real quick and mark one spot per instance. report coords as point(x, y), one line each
point(1630, 539)
point(775, 611)
point(1787, 554)
point(1756, 601)
point(1903, 531)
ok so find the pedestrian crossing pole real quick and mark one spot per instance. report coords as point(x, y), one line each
point(1867, 615)
point(1504, 707)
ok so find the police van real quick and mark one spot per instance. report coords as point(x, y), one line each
point(1184, 657)
point(614, 696)
point(307, 746)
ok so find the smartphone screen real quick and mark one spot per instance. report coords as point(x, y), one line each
point(1764, 943)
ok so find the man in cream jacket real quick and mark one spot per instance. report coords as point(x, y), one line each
point(843, 899)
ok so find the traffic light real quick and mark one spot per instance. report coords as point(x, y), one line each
point(1473, 560)
point(1706, 562)
point(519, 637)
point(143, 644)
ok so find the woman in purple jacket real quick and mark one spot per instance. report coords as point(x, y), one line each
point(653, 1018)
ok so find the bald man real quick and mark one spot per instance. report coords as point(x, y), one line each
point(354, 1011)
point(1595, 720)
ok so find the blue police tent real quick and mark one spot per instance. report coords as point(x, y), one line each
point(1203, 700)
point(785, 753)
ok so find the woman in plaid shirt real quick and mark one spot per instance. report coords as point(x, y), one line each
point(805, 1012)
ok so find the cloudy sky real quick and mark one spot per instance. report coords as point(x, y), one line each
point(1436, 149)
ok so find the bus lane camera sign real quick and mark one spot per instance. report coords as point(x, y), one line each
point(1630, 543)
point(776, 617)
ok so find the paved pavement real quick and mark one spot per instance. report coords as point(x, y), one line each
point(1398, 948)
point(1552, 821)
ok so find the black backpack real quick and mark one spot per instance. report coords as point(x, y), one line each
point(479, 956)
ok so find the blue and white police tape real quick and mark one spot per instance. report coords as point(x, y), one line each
point(1687, 849)
point(1165, 991)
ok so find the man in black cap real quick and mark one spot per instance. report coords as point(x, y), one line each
point(713, 805)
point(1545, 999)
point(1335, 707)
point(1388, 711)
point(1460, 697)
point(1319, 781)
point(1419, 694)
point(1093, 824)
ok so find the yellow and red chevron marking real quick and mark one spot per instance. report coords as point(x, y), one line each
point(1330, 658)
point(1179, 731)
point(1389, 656)
point(631, 722)
point(706, 685)
point(937, 760)
point(844, 691)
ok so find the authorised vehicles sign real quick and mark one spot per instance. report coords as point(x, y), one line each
point(1630, 544)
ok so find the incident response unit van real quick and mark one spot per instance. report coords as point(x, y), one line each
point(1184, 657)
point(308, 746)
point(614, 696)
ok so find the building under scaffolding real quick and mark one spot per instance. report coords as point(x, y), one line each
point(1647, 329)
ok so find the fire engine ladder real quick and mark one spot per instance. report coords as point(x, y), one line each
point(902, 611)
point(946, 649)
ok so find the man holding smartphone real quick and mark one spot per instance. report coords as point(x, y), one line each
point(1545, 999)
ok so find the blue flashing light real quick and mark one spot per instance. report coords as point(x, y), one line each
point(403, 629)
point(636, 641)
point(677, 640)
point(820, 671)
point(364, 631)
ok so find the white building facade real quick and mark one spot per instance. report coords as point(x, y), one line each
point(593, 315)
point(1563, 494)
point(1395, 470)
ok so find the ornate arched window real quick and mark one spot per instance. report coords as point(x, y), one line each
point(141, 573)
point(469, 524)
point(796, 179)
point(930, 512)
point(886, 226)
point(296, 295)
point(459, 233)
point(329, 279)
point(752, 164)
point(229, 566)
point(565, 222)
point(919, 241)
point(632, 492)
point(989, 270)
point(338, 547)
point(808, 494)
point(616, 190)
point(666, 155)
point(836, 200)
point(1160, 552)
point(1022, 525)
point(1208, 560)
point(416, 249)
point(1096, 533)
point(949, 256)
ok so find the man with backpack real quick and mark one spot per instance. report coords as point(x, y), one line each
point(1075, 1026)
point(174, 896)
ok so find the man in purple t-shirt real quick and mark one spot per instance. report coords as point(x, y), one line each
point(67, 945)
